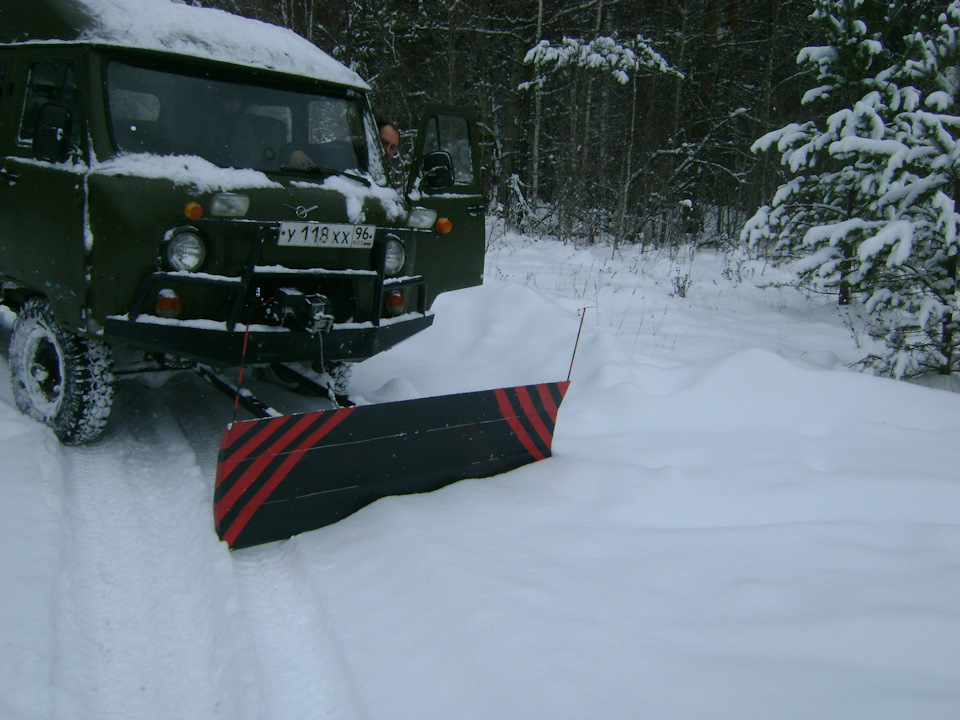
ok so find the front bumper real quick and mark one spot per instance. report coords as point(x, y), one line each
point(222, 347)
point(245, 323)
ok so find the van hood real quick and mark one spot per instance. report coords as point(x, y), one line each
point(364, 203)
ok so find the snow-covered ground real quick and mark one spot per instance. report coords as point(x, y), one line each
point(734, 525)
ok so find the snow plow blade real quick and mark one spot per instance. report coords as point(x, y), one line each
point(277, 477)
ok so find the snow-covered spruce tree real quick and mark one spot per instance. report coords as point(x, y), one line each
point(823, 211)
point(911, 265)
point(892, 157)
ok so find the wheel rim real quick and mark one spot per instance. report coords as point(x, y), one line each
point(43, 371)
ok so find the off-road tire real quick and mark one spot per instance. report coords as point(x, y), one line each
point(59, 378)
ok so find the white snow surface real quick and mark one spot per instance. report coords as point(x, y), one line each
point(189, 170)
point(210, 33)
point(734, 524)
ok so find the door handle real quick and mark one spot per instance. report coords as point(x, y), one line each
point(9, 177)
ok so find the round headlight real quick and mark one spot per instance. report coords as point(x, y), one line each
point(396, 256)
point(185, 251)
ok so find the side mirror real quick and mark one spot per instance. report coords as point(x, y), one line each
point(51, 138)
point(438, 171)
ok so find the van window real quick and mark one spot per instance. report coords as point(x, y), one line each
point(331, 119)
point(451, 133)
point(49, 82)
point(233, 124)
point(135, 106)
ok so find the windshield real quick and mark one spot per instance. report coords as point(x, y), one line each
point(238, 125)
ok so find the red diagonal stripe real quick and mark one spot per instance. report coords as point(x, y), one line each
point(256, 467)
point(265, 428)
point(508, 413)
point(549, 402)
point(289, 462)
point(526, 402)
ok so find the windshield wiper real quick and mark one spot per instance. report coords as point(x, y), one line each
point(325, 171)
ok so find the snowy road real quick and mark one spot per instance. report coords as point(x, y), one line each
point(146, 601)
point(733, 525)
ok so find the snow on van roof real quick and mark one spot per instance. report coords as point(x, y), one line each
point(173, 26)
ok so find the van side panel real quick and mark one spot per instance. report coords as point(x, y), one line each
point(49, 202)
point(123, 248)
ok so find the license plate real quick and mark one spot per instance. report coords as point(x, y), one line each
point(327, 235)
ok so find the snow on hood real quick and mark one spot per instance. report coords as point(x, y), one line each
point(207, 177)
point(184, 170)
point(172, 26)
point(356, 194)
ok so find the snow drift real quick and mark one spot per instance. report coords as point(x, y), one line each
point(733, 525)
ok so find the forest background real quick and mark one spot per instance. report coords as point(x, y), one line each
point(637, 121)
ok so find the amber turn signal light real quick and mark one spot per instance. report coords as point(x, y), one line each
point(443, 225)
point(168, 304)
point(396, 304)
point(193, 211)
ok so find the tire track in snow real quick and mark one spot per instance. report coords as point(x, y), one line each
point(152, 616)
point(305, 671)
point(150, 621)
point(31, 485)
point(302, 672)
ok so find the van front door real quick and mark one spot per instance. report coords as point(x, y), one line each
point(453, 259)
point(9, 217)
point(45, 196)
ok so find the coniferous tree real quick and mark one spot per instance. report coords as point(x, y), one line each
point(913, 263)
point(824, 210)
point(872, 201)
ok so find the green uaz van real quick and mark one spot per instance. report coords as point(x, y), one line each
point(184, 188)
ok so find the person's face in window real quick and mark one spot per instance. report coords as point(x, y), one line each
point(389, 140)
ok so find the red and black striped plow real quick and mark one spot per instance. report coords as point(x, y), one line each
point(278, 477)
